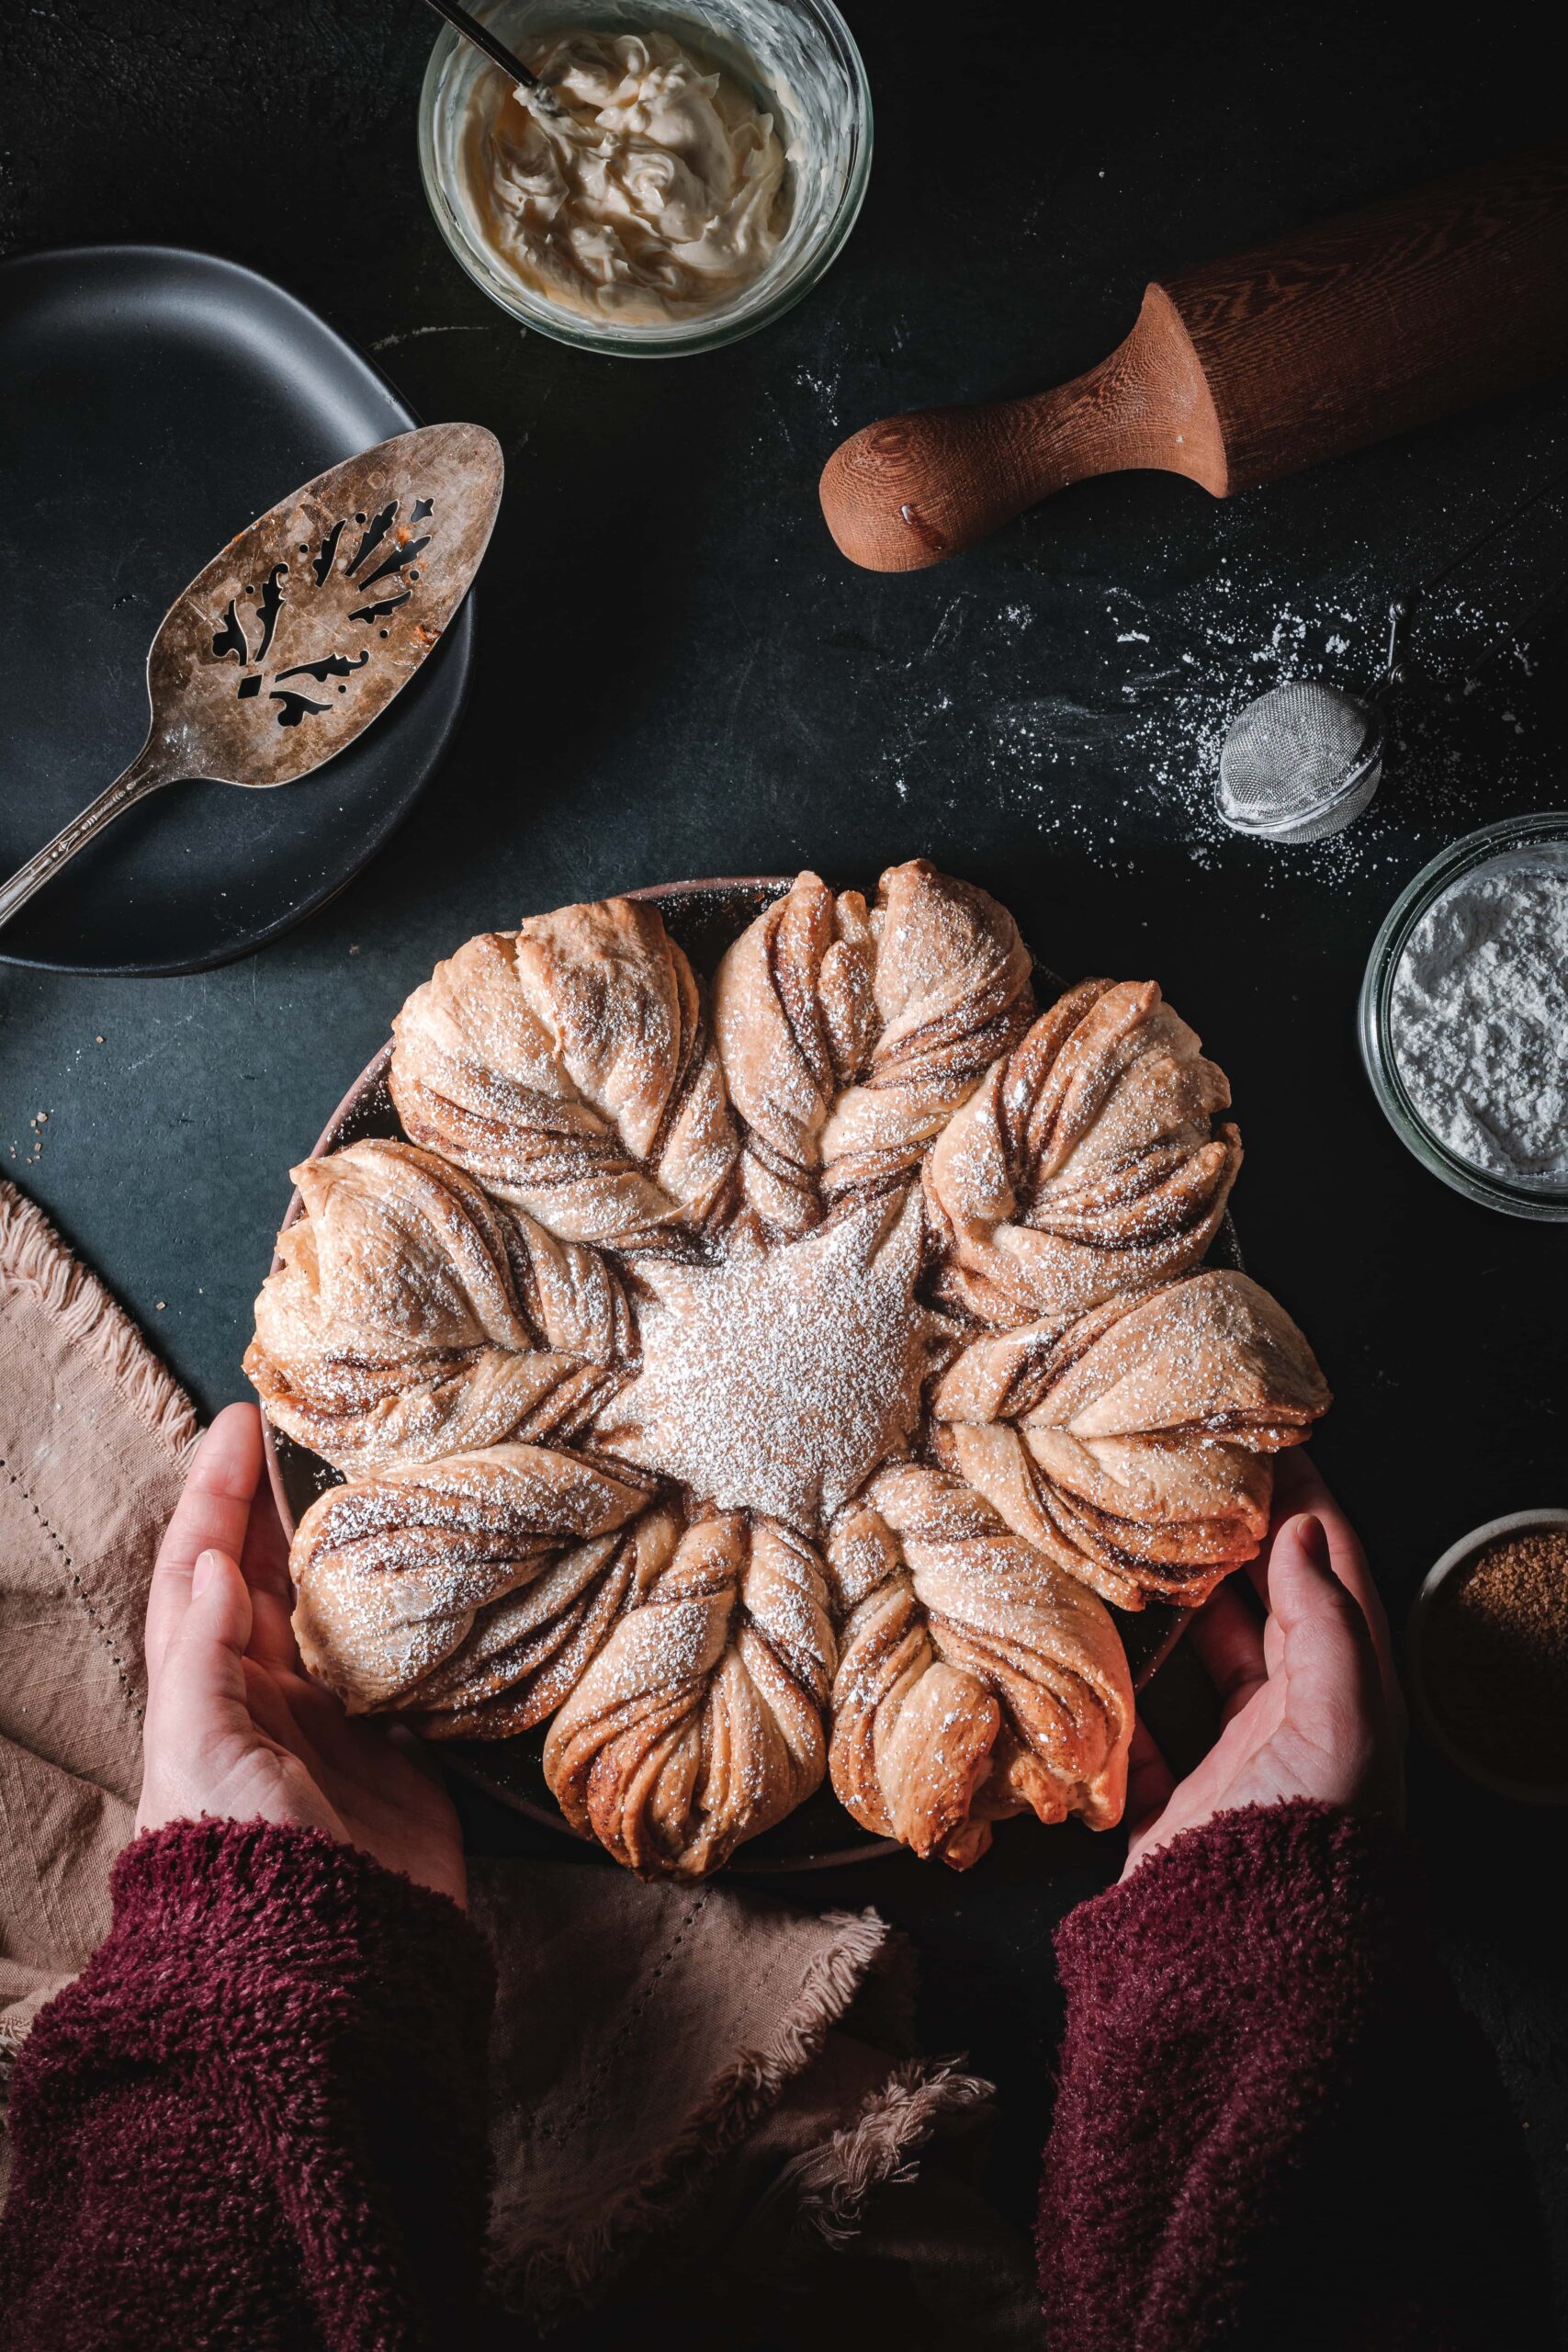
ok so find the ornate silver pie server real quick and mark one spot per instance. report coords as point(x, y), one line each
point(301, 632)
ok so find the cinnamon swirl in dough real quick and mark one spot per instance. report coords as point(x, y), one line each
point(412, 1316)
point(700, 1721)
point(974, 1678)
point(1088, 1164)
point(568, 1066)
point(1134, 1448)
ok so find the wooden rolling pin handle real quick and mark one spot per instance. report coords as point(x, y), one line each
point(915, 489)
point(1248, 368)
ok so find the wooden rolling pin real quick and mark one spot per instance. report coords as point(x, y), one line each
point(1247, 368)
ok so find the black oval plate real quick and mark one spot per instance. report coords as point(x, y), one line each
point(156, 402)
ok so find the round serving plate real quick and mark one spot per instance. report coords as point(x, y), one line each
point(703, 918)
point(156, 401)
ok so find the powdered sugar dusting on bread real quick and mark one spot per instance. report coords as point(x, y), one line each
point(776, 1380)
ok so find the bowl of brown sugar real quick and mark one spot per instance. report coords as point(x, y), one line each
point(1487, 1650)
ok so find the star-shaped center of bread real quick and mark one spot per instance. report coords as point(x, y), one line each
point(775, 1380)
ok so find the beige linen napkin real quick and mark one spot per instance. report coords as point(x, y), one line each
point(93, 1438)
point(694, 2092)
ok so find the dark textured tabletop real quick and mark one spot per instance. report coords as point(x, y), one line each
point(677, 675)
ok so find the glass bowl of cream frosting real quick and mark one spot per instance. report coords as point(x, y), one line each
point(685, 174)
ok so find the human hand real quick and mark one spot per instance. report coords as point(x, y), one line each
point(235, 1727)
point(1309, 1699)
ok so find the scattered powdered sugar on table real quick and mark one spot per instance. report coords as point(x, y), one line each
point(1480, 1016)
point(1162, 726)
point(1096, 710)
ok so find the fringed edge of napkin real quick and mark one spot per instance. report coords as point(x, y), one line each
point(33, 1259)
point(752, 2083)
point(832, 2185)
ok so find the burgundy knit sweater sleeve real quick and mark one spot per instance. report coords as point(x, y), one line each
point(1274, 2125)
point(258, 2117)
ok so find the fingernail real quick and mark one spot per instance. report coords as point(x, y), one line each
point(1312, 1537)
point(202, 1575)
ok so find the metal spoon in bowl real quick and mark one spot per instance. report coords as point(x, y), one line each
point(301, 632)
point(485, 42)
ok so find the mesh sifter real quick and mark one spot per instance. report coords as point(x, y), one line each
point(1304, 759)
point(1300, 763)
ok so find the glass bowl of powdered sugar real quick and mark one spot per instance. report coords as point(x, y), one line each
point(1464, 1016)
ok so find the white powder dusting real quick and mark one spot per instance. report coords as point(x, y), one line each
point(1102, 725)
point(1480, 1016)
point(774, 1380)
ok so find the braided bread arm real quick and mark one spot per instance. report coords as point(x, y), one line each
point(567, 1065)
point(1086, 1164)
point(529, 1650)
point(1135, 1448)
point(395, 1576)
point(411, 1317)
point(794, 1019)
point(700, 1723)
point(950, 988)
point(974, 1678)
